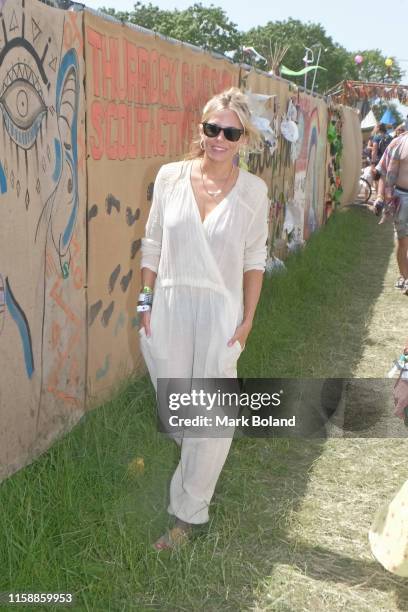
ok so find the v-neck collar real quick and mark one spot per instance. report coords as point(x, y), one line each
point(220, 204)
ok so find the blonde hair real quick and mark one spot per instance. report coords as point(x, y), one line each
point(230, 99)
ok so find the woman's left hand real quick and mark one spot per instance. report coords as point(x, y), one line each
point(241, 334)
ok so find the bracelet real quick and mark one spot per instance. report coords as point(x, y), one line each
point(147, 289)
point(143, 308)
point(146, 298)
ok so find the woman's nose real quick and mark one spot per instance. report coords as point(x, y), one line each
point(220, 136)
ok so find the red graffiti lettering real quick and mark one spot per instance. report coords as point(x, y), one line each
point(97, 114)
point(143, 77)
point(72, 33)
point(154, 80)
point(132, 68)
point(95, 41)
point(111, 145)
point(132, 80)
point(131, 134)
point(163, 76)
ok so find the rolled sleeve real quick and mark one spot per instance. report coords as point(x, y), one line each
point(257, 235)
point(152, 241)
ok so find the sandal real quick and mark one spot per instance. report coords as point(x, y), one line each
point(172, 539)
point(399, 284)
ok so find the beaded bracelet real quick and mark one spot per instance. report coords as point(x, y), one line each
point(145, 299)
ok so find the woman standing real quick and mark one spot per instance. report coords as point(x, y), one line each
point(203, 256)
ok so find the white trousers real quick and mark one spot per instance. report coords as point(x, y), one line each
point(192, 343)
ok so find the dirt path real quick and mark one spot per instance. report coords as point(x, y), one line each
point(387, 330)
point(388, 326)
point(326, 563)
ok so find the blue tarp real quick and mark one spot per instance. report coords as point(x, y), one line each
point(388, 118)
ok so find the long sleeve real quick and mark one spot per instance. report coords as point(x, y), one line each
point(151, 243)
point(255, 242)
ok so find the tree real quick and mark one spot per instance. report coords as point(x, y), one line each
point(299, 35)
point(208, 28)
point(380, 108)
point(211, 29)
point(373, 67)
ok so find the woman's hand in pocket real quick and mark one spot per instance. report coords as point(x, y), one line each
point(241, 334)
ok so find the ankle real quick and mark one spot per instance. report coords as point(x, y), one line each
point(183, 525)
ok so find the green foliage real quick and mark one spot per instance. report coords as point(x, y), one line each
point(299, 35)
point(211, 29)
point(206, 27)
point(373, 67)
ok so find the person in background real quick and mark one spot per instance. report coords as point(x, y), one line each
point(393, 170)
point(381, 140)
point(400, 129)
point(368, 149)
point(388, 535)
point(372, 157)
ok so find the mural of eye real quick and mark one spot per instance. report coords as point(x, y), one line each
point(22, 105)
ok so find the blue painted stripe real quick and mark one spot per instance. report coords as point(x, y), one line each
point(3, 180)
point(67, 235)
point(70, 61)
point(23, 327)
point(57, 169)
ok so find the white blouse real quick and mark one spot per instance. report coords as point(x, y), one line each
point(212, 254)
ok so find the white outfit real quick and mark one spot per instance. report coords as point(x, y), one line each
point(198, 304)
point(388, 534)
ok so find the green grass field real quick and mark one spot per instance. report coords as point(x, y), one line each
point(289, 518)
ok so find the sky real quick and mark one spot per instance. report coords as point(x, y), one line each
point(354, 25)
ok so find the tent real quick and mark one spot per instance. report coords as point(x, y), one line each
point(388, 118)
point(369, 121)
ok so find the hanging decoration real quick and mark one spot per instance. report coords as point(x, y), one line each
point(349, 92)
point(253, 54)
point(334, 139)
point(264, 111)
point(276, 57)
point(289, 72)
point(288, 127)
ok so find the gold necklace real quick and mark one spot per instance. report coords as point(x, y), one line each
point(214, 194)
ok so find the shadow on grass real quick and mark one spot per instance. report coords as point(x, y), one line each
point(268, 541)
point(322, 564)
point(313, 321)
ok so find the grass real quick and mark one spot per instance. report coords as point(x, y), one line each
point(314, 320)
point(288, 526)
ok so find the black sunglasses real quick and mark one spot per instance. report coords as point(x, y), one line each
point(231, 133)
